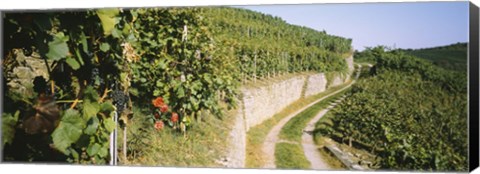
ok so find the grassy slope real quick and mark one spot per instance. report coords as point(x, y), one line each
point(203, 144)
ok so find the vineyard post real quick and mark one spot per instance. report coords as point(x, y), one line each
point(113, 141)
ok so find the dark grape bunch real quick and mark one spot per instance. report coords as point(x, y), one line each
point(95, 78)
point(119, 100)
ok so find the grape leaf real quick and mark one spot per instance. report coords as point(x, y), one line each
point(107, 17)
point(90, 108)
point(58, 48)
point(72, 63)
point(92, 126)
point(103, 152)
point(180, 92)
point(68, 131)
point(90, 104)
point(107, 107)
point(91, 94)
point(104, 47)
point(93, 149)
point(109, 124)
point(116, 33)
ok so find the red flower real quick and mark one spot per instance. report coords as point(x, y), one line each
point(163, 108)
point(174, 117)
point(157, 115)
point(158, 125)
point(158, 102)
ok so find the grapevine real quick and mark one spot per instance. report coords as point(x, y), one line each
point(410, 113)
point(91, 64)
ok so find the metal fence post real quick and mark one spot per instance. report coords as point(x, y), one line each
point(113, 141)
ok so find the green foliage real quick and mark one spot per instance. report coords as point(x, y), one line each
point(58, 48)
point(107, 17)
point(68, 131)
point(453, 57)
point(411, 113)
point(8, 127)
point(178, 62)
point(263, 45)
point(87, 131)
point(191, 57)
point(72, 41)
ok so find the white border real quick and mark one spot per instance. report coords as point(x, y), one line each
point(75, 4)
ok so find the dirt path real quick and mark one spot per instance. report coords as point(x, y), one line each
point(310, 149)
point(268, 147)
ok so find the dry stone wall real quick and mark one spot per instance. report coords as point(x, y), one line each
point(337, 80)
point(351, 67)
point(316, 83)
point(262, 103)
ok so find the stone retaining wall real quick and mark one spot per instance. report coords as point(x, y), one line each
point(316, 83)
point(262, 103)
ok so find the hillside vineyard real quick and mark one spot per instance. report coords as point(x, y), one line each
point(216, 86)
point(92, 63)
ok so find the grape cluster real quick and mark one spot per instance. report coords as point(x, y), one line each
point(95, 78)
point(119, 100)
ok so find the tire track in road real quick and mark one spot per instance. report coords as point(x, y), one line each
point(310, 149)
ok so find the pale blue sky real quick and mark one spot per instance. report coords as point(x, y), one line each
point(405, 25)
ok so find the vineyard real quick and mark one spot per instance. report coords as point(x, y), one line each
point(410, 113)
point(68, 76)
point(165, 85)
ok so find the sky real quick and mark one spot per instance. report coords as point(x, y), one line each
point(398, 25)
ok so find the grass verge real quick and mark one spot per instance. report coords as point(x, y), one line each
point(257, 134)
point(290, 156)
point(292, 131)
